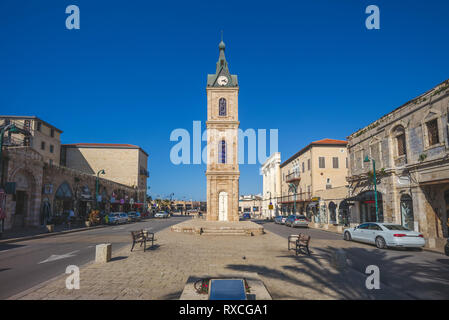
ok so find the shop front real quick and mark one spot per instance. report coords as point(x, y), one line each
point(62, 204)
point(367, 206)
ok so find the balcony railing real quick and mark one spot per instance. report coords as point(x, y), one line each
point(293, 177)
point(300, 197)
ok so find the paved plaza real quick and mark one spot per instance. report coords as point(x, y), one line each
point(162, 272)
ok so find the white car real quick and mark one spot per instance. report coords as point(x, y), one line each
point(161, 214)
point(385, 235)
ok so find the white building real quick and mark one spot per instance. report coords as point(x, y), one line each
point(271, 174)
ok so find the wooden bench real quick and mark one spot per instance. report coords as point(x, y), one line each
point(299, 241)
point(142, 236)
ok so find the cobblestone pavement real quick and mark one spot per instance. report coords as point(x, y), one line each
point(161, 272)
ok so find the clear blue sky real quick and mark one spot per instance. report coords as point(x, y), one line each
point(137, 69)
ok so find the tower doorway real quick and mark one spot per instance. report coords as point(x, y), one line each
point(223, 206)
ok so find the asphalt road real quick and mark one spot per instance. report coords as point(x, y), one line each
point(28, 263)
point(419, 274)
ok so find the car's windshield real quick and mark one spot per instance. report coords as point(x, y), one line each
point(395, 227)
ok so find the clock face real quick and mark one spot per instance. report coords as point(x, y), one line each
point(222, 80)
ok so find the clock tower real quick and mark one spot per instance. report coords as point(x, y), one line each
point(222, 138)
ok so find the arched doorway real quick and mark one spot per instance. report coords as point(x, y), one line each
point(223, 206)
point(63, 203)
point(407, 218)
point(332, 213)
point(343, 213)
point(25, 188)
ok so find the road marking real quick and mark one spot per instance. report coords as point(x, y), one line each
point(55, 257)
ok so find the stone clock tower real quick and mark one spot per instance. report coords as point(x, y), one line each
point(222, 138)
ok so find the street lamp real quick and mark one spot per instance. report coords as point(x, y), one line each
point(271, 212)
point(97, 185)
point(367, 159)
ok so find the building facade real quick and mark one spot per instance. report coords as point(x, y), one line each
point(122, 163)
point(43, 138)
point(251, 204)
point(35, 189)
point(410, 149)
point(320, 169)
point(222, 143)
point(271, 175)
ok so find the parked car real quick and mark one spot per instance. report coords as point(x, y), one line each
point(162, 214)
point(113, 218)
point(385, 235)
point(123, 217)
point(134, 216)
point(446, 247)
point(246, 215)
point(297, 221)
point(280, 219)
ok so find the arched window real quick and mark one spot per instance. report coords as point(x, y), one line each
point(222, 107)
point(407, 217)
point(222, 152)
point(64, 192)
point(399, 136)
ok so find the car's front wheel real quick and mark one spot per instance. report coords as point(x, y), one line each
point(347, 236)
point(380, 243)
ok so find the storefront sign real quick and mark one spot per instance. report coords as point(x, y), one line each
point(316, 199)
point(48, 189)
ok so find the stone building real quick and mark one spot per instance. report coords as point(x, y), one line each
point(44, 137)
point(222, 143)
point(36, 188)
point(410, 150)
point(271, 175)
point(319, 169)
point(123, 163)
point(250, 204)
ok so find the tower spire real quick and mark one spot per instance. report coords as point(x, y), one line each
point(222, 63)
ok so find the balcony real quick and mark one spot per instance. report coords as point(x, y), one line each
point(293, 177)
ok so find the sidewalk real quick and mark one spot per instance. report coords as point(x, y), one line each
point(162, 272)
point(40, 232)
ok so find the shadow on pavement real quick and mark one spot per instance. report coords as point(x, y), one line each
point(119, 258)
point(400, 276)
point(7, 246)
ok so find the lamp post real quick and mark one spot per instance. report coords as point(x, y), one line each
point(367, 159)
point(97, 185)
point(271, 213)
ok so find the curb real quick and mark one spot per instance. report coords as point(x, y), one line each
point(50, 234)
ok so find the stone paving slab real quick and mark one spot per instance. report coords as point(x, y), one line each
point(163, 271)
point(199, 226)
